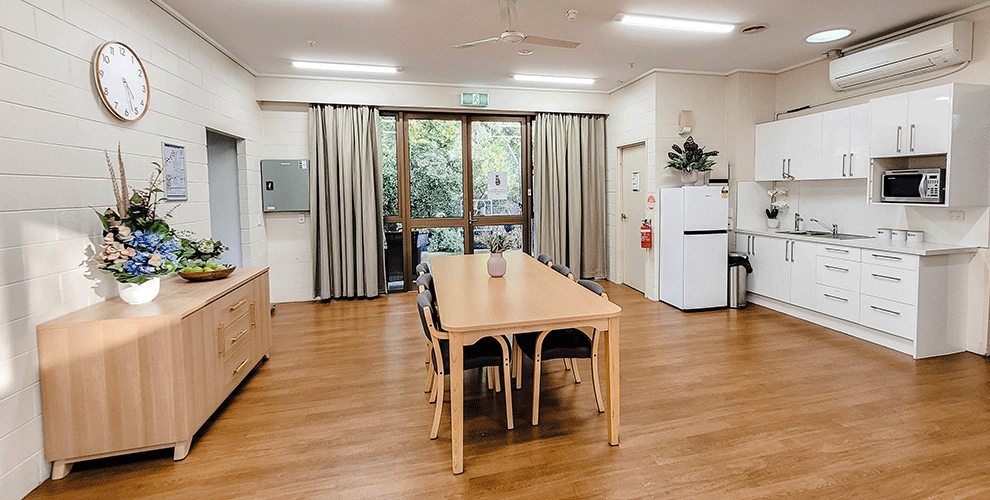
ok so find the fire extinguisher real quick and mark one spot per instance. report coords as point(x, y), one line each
point(646, 234)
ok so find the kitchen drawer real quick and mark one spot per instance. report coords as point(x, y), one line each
point(889, 316)
point(235, 304)
point(237, 333)
point(838, 273)
point(839, 303)
point(899, 260)
point(890, 283)
point(237, 365)
point(839, 252)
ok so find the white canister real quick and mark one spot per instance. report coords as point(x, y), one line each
point(915, 236)
point(883, 233)
point(898, 235)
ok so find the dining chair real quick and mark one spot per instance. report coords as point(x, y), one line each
point(570, 343)
point(422, 268)
point(564, 270)
point(425, 282)
point(489, 351)
point(545, 259)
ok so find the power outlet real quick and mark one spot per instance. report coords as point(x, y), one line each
point(957, 215)
point(302, 219)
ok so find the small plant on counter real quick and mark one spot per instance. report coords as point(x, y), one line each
point(691, 158)
point(776, 206)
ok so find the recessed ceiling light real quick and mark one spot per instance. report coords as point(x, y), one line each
point(554, 79)
point(828, 35)
point(526, 52)
point(360, 68)
point(677, 24)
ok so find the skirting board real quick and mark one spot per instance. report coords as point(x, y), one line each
point(840, 325)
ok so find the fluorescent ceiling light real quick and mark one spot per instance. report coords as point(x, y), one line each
point(360, 68)
point(828, 35)
point(677, 24)
point(554, 79)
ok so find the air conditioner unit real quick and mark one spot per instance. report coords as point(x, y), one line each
point(929, 50)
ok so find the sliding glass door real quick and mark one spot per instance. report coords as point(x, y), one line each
point(449, 181)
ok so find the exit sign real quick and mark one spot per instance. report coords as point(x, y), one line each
point(476, 100)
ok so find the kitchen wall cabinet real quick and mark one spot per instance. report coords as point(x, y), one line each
point(912, 124)
point(791, 147)
point(845, 144)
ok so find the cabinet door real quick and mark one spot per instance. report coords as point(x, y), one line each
point(858, 162)
point(835, 146)
point(888, 123)
point(774, 253)
point(760, 258)
point(769, 160)
point(929, 120)
point(802, 145)
point(804, 257)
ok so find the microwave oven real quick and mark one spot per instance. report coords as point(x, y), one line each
point(925, 185)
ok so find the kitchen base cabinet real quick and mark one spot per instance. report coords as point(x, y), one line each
point(119, 379)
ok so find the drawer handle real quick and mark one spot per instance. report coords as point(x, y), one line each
point(888, 311)
point(238, 337)
point(891, 278)
point(235, 306)
point(836, 250)
point(888, 257)
point(833, 297)
point(241, 365)
point(836, 268)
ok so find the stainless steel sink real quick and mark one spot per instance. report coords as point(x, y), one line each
point(823, 234)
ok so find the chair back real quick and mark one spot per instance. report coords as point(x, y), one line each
point(427, 314)
point(422, 268)
point(594, 287)
point(425, 282)
point(545, 259)
point(563, 270)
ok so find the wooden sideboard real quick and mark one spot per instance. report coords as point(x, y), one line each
point(118, 379)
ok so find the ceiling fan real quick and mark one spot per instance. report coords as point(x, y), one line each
point(508, 10)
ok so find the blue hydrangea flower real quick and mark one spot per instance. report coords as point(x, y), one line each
point(145, 240)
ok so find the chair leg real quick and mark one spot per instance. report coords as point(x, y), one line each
point(506, 372)
point(575, 371)
point(496, 378)
point(567, 364)
point(594, 373)
point(536, 387)
point(437, 387)
point(488, 375)
point(436, 414)
point(517, 363)
point(429, 350)
point(430, 377)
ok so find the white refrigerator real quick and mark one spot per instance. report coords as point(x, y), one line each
point(694, 247)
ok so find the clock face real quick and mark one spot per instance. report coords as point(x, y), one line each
point(121, 81)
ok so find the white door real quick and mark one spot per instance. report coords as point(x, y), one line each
point(835, 146)
point(632, 163)
point(705, 209)
point(769, 159)
point(225, 204)
point(888, 119)
point(929, 120)
point(858, 164)
point(803, 259)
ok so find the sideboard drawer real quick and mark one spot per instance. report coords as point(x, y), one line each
point(839, 303)
point(903, 261)
point(235, 304)
point(237, 333)
point(237, 365)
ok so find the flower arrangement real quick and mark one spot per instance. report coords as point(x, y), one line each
point(776, 206)
point(691, 158)
point(497, 242)
point(137, 243)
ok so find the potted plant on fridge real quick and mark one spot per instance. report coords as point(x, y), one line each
point(690, 160)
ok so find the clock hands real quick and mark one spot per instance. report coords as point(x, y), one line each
point(130, 95)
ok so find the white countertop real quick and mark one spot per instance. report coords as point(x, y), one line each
point(869, 243)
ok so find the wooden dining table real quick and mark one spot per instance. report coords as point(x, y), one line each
point(530, 297)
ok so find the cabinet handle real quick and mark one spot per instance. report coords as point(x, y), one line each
point(788, 167)
point(888, 257)
point(833, 297)
point(238, 337)
point(899, 138)
point(844, 164)
point(834, 268)
point(888, 311)
point(786, 244)
point(783, 168)
point(235, 306)
point(891, 278)
point(911, 145)
point(851, 164)
point(836, 250)
point(220, 339)
point(241, 366)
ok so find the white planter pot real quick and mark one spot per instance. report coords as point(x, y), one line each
point(689, 178)
point(139, 294)
point(773, 223)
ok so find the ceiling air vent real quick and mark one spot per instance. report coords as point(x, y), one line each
point(755, 28)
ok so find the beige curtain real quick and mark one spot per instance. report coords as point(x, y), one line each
point(346, 201)
point(569, 191)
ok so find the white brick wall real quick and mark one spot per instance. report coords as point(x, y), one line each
point(53, 131)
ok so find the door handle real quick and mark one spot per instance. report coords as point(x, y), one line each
point(844, 164)
point(911, 144)
point(624, 217)
point(786, 244)
point(899, 138)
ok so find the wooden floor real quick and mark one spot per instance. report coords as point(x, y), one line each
point(721, 405)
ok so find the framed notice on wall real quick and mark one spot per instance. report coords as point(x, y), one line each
point(174, 167)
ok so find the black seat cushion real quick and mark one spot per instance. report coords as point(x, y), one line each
point(558, 344)
point(485, 352)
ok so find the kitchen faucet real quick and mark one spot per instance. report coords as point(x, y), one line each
point(797, 222)
point(834, 229)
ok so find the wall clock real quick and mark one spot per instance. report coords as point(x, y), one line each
point(121, 81)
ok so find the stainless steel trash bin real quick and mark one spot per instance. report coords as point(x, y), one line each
point(739, 267)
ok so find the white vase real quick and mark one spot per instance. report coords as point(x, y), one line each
point(496, 265)
point(773, 223)
point(689, 178)
point(135, 294)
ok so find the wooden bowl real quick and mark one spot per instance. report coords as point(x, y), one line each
point(208, 275)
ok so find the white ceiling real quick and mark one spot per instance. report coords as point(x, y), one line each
point(417, 35)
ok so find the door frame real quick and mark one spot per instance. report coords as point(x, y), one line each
point(468, 220)
point(620, 243)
